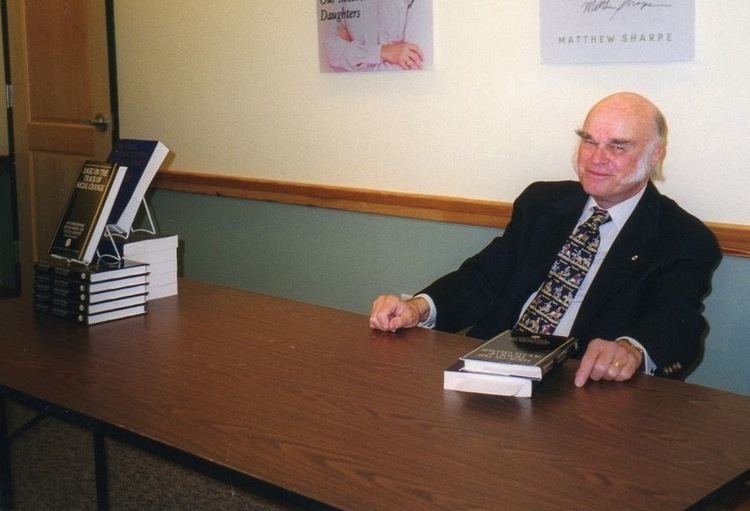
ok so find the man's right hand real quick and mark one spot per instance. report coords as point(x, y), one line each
point(389, 312)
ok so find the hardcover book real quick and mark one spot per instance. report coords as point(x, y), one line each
point(74, 304)
point(514, 354)
point(58, 270)
point(143, 159)
point(81, 293)
point(455, 378)
point(89, 206)
point(92, 319)
point(62, 285)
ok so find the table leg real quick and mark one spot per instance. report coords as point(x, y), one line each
point(100, 463)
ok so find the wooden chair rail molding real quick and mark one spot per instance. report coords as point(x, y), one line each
point(733, 239)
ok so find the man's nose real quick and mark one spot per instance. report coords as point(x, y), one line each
point(600, 155)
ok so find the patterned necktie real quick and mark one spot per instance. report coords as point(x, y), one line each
point(564, 278)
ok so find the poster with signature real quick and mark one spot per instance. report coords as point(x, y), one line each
point(601, 31)
point(374, 35)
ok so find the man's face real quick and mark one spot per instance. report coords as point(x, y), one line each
point(618, 147)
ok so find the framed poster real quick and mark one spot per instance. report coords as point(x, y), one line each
point(374, 35)
point(599, 31)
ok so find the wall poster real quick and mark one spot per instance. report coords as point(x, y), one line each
point(374, 35)
point(599, 31)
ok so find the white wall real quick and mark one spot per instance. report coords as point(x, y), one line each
point(232, 86)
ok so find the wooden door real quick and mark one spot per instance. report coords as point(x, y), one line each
point(60, 75)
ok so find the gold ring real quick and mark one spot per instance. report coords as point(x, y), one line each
point(616, 363)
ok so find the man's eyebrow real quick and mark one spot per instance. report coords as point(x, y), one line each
point(615, 141)
point(621, 141)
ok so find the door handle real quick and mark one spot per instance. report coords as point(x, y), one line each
point(99, 122)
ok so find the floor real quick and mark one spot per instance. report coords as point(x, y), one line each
point(52, 469)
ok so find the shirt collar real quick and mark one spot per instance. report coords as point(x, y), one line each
point(619, 212)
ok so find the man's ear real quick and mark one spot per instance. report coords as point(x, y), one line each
point(657, 154)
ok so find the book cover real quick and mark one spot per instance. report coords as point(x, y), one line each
point(89, 206)
point(513, 354)
point(143, 159)
point(455, 378)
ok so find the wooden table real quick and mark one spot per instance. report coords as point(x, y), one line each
point(311, 400)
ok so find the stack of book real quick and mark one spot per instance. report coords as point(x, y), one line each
point(90, 294)
point(160, 253)
point(508, 364)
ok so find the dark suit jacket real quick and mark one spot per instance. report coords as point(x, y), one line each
point(650, 285)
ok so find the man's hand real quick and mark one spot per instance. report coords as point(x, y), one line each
point(608, 360)
point(389, 312)
point(406, 55)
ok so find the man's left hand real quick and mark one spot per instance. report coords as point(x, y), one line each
point(607, 360)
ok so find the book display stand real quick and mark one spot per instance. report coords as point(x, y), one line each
point(110, 233)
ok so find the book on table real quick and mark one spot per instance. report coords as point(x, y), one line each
point(160, 252)
point(455, 378)
point(516, 354)
point(85, 217)
point(65, 286)
point(74, 304)
point(54, 269)
point(81, 295)
point(139, 243)
point(143, 159)
point(93, 319)
point(90, 294)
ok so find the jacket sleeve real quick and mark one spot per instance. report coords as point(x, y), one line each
point(668, 320)
point(466, 294)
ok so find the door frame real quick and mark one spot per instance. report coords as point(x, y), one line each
point(10, 285)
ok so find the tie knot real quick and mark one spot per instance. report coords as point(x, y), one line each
point(598, 217)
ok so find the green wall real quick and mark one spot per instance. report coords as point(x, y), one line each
point(343, 260)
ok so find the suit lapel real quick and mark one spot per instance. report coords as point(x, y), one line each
point(630, 251)
point(553, 227)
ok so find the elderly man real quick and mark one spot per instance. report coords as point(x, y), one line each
point(607, 259)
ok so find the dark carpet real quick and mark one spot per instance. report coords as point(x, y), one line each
point(52, 467)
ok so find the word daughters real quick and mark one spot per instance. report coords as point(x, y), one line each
point(339, 14)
